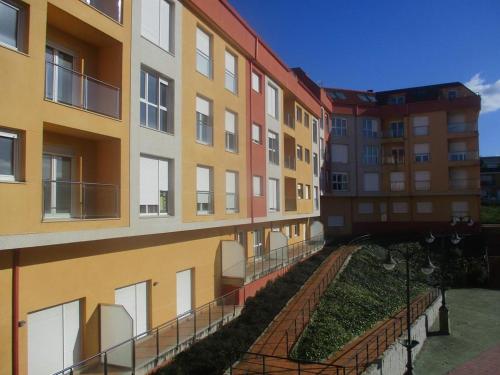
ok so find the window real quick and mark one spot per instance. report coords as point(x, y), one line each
point(232, 192)
point(204, 192)
point(272, 101)
point(203, 53)
point(299, 152)
point(370, 154)
point(420, 125)
point(258, 243)
point(400, 207)
point(339, 153)
point(339, 127)
point(365, 208)
point(315, 164)
point(204, 128)
point(421, 151)
point(315, 130)
point(13, 25)
point(452, 94)
point(274, 150)
point(256, 130)
point(255, 82)
point(422, 180)
point(457, 151)
point(397, 181)
point(424, 207)
point(298, 114)
point(371, 182)
point(307, 192)
point(459, 209)
point(231, 131)
point(257, 186)
point(287, 231)
point(9, 156)
point(296, 230)
point(300, 191)
point(316, 198)
point(154, 186)
point(335, 221)
point(307, 156)
point(156, 23)
point(155, 100)
point(397, 129)
point(273, 198)
point(231, 74)
point(306, 119)
point(399, 99)
point(370, 128)
point(340, 181)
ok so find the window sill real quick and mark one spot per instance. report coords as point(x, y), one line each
point(13, 49)
point(204, 213)
point(14, 182)
point(204, 144)
point(155, 216)
point(156, 45)
point(232, 151)
point(157, 130)
point(69, 219)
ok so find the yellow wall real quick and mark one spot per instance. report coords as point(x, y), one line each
point(216, 156)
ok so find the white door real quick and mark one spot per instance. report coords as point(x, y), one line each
point(60, 80)
point(134, 299)
point(184, 292)
point(57, 186)
point(54, 338)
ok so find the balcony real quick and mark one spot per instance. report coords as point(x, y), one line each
point(459, 184)
point(460, 156)
point(462, 127)
point(204, 202)
point(79, 200)
point(66, 86)
point(111, 8)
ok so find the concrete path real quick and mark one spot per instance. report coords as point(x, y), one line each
point(474, 344)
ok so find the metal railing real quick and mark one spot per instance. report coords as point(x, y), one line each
point(232, 202)
point(231, 141)
point(259, 266)
point(63, 85)
point(112, 9)
point(231, 81)
point(203, 63)
point(205, 202)
point(393, 160)
point(204, 131)
point(463, 156)
point(464, 184)
point(422, 157)
point(289, 162)
point(79, 200)
point(370, 349)
point(147, 350)
point(462, 127)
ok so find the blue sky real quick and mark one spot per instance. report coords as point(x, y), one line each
point(388, 44)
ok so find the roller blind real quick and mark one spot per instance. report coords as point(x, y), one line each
point(273, 193)
point(421, 148)
point(256, 186)
point(202, 106)
point(163, 175)
point(271, 100)
point(230, 63)
point(148, 181)
point(365, 208)
point(422, 176)
point(203, 42)
point(256, 132)
point(165, 10)
point(397, 176)
point(421, 121)
point(202, 179)
point(458, 146)
point(230, 122)
point(371, 181)
point(230, 182)
point(339, 153)
point(150, 22)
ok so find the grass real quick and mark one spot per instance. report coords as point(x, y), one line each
point(490, 214)
point(364, 294)
point(213, 354)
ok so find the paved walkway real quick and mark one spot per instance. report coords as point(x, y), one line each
point(474, 344)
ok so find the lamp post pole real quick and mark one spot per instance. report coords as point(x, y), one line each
point(408, 316)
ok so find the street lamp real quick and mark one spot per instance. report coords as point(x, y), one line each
point(389, 264)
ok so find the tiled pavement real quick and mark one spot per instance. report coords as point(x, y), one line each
point(487, 363)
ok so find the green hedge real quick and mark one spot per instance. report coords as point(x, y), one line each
point(213, 354)
point(364, 294)
point(490, 214)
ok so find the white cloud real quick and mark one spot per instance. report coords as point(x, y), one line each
point(490, 92)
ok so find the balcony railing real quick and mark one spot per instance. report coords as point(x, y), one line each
point(231, 141)
point(463, 156)
point(111, 8)
point(80, 200)
point(423, 185)
point(259, 266)
point(393, 160)
point(398, 186)
point(205, 202)
point(422, 157)
point(204, 130)
point(462, 127)
point(63, 85)
point(290, 162)
point(290, 204)
point(142, 353)
point(464, 184)
point(232, 202)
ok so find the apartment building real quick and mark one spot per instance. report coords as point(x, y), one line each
point(402, 160)
point(163, 157)
point(490, 179)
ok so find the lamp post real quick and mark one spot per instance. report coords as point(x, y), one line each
point(389, 264)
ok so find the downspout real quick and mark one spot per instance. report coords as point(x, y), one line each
point(15, 313)
point(250, 138)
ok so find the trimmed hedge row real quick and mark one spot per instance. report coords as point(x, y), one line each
point(213, 354)
point(364, 294)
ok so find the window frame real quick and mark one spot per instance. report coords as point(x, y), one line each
point(300, 152)
point(199, 53)
point(171, 27)
point(300, 190)
point(159, 107)
point(227, 73)
point(21, 26)
point(158, 213)
point(273, 152)
point(209, 123)
point(339, 127)
point(259, 127)
point(260, 192)
point(16, 138)
point(274, 115)
point(259, 80)
point(211, 204)
point(236, 208)
point(227, 133)
point(340, 181)
point(373, 156)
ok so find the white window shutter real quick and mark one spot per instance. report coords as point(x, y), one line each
point(421, 148)
point(271, 100)
point(230, 122)
point(165, 9)
point(230, 182)
point(148, 181)
point(202, 106)
point(255, 82)
point(202, 179)
point(256, 132)
point(150, 22)
point(163, 175)
point(420, 121)
point(256, 186)
point(272, 193)
point(230, 61)
point(203, 42)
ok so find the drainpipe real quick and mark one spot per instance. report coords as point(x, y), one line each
point(251, 143)
point(15, 313)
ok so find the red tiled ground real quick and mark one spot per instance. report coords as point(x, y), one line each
point(487, 363)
